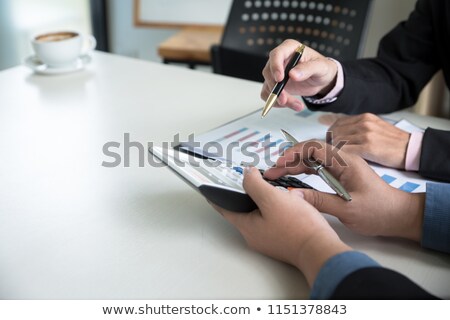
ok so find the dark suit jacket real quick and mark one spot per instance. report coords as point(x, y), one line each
point(378, 283)
point(407, 59)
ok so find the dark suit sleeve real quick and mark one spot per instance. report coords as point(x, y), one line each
point(407, 59)
point(378, 283)
point(435, 155)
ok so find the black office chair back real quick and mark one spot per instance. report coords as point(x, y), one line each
point(255, 27)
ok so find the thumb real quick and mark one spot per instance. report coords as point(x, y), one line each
point(325, 202)
point(257, 188)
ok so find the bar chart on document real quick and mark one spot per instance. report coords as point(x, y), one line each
point(252, 141)
point(258, 142)
point(405, 181)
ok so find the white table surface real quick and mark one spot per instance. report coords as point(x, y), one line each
point(72, 229)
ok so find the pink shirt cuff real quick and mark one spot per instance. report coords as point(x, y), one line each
point(334, 93)
point(412, 161)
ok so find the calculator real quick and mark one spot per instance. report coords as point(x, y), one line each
point(219, 182)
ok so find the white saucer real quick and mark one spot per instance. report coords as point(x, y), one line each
point(41, 68)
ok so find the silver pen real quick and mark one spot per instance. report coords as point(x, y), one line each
point(322, 172)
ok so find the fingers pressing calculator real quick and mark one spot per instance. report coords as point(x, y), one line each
point(219, 183)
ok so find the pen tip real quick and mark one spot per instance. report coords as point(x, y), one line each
point(269, 104)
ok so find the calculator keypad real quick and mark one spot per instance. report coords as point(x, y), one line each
point(237, 173)
point(287, 182)
point(233, 177)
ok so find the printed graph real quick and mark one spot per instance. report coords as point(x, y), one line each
point(400, 184)
point(231, 134)
point(249, 144)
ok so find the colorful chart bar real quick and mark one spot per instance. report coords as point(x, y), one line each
point(270, 145)
point(388, 179)
point(280, 150)
point(248, 136)
point(256, 143)
point(232, 134)
point(409, 187)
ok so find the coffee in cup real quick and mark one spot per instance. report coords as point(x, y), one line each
point(57, 36)
point(60, 49)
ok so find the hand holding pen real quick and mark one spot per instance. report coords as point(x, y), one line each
point(279, 86)
point(326, 176)
point(313, 75)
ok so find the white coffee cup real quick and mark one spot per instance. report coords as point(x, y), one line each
point(60, 49)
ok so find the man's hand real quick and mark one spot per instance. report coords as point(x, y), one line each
point(377, 209)
point(371, 138)
point(313, 75)
point(285, 227)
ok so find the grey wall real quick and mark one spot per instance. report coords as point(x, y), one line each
point(8, 52)
point(126, 39)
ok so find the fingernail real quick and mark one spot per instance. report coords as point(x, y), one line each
point(297, 192)
point(299, 106)
point(247, 170)
point(298, 74)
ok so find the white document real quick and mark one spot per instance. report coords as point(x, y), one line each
point(258, 142)
point(407, 126)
